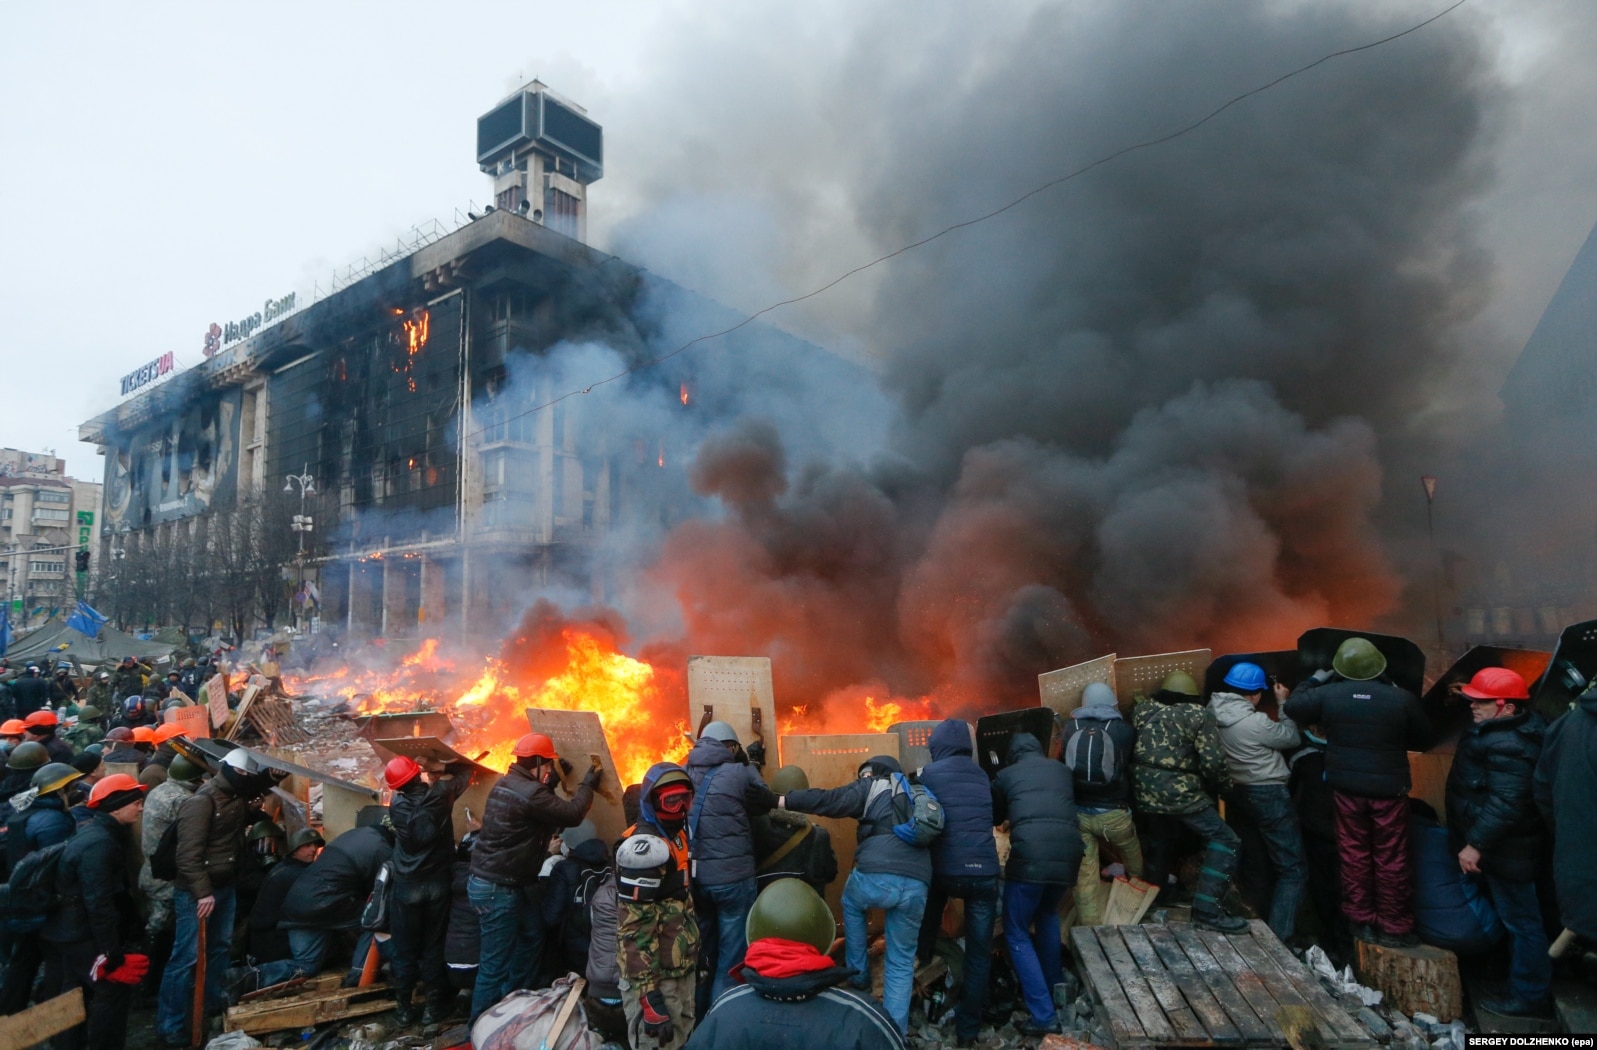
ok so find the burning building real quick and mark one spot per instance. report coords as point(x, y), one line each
point(431, 403)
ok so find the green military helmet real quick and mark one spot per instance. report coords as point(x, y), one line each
point(53, 776)
point(95, 748)
point(1180, 682)
point(88, 713)
point(183, 770)
point(261, 829)
point(789, 778)
point(792, 910)
point(305, 837)
point(1358, 659)
point(30, 754)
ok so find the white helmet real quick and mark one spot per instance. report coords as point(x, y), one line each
point(719, 730)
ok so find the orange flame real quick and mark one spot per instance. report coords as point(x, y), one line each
point(683, 393)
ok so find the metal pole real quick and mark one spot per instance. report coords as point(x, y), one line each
point(1436, 573)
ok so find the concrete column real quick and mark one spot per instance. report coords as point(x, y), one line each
point(433, 598)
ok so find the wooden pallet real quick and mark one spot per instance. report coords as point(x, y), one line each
point(320, 1004)
point(1175, 984)
point(274, 720)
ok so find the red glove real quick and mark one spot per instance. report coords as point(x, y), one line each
point(128, 969)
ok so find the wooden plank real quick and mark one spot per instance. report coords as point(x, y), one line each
point(579, 738)
point(1136, 950)
point(1183, 938)
point(1196, 991)
point(1129, 901)
point(1346, 1030)
point(736, 690)
point(1287, 993)
point(1143, 674)
point(1061, 690)
point(1247, 982)
point(38, 1023)
point(307, 1009)
point(1120, 1019)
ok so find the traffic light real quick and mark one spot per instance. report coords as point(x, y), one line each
point(83, 560)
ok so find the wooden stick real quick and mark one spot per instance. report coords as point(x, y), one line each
point(1561, 945)
point(38, 1023)
point(197, 1033)
point(559, 1026)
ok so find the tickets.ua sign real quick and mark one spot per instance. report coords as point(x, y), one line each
point(142, 377)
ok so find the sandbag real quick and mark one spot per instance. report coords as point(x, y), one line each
point(522, 1019)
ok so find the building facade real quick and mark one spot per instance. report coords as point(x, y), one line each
point(432, 408)
point(46, 519)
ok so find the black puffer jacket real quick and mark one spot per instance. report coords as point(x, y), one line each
point(424, 832)
point(1369, 727)
point(966, 847)
point(29, 693)
point(1566, 784)
point(1490, 802)
point(1033, 793)
point(96, 888)
point(879, 851)
point(517, 820)
point(267, 942)
point(723, 843)
point(333, 890)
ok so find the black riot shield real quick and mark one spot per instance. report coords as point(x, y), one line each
point(1279, 666)
point(1405, 661)
point(913, 752)
point(1572, 670)
point(1447, 711)
point(994, 731)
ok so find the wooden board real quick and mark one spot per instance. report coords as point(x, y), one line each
point(1428, 772)
point(1177, 985)
point(428, 748)
point(307, 1010)
point(274, 721)
point(831, 761)
point(36, 1024)
point(1143, 674)
point(405, 723)
point(216, 698)
point(578, 735)
point(732, 689)
point(196, 721)
point(1061, 690)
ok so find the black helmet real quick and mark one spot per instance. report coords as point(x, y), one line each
point(792, 910)
point(30, 754)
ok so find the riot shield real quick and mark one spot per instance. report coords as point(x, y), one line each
point(1405, 661)
point(993, 733)
point(1572, 669)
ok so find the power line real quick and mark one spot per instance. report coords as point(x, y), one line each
point(1016, 202)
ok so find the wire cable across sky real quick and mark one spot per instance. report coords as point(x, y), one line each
point(1059, 180)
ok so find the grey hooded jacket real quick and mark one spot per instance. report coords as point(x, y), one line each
point(1255, 747)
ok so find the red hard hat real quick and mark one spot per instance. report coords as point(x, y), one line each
point(399, 772)
point(1496, 683)
point(143, 735)
point(535, 745)
point(114, 785)
point(41, 718)
point(12, 727)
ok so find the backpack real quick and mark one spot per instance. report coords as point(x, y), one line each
point(163, 862)
point(33, 894)
point(576, 921)
point(1090, 753)
point(924, 819)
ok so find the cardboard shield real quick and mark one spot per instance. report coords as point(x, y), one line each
point(1144, 674)
point(1448, 712)
point(1405, 661)
point(1572, 669)
point(1061, 690)
point(913, 752)
point(993, 733)
point(735, 690)
point(579, 738)
point(422, 748)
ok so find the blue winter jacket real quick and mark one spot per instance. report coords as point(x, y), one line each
point(965, 848)
point(723, 843)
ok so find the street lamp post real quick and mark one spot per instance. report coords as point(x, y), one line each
point(301, 524)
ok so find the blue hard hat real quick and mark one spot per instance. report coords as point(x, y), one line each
point(1245, 676)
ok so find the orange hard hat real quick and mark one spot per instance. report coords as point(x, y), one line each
point(167, 732)
point(12, 727)
point(111, 792)
point(1496, 683)
point(535, 745)
point(143, 735)
point(41, 718)
point(399, 772)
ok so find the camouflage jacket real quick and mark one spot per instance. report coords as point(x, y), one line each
point(160, 809)
point(1178, 754)
point(82, 735)
point(656, 940)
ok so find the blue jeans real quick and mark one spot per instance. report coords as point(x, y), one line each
point(1530, 972)
point(1266, 810)
point(1031, 930)
point(177, 983)
point(904, 901)
point(722, 911)
point(980, 894)
point(511, 927)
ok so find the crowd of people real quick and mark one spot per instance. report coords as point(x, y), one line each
point(704, 924)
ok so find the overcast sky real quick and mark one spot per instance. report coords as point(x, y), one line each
point(167, 166)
